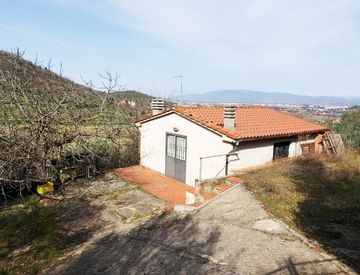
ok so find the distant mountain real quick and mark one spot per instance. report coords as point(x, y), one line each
point(257, 97)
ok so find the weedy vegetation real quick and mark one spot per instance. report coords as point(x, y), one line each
point(49, 123)
point(317, 195)
point(50, 129)
point(29, 238)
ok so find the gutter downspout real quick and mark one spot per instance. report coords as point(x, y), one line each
point(226, 164)
point(237, 142)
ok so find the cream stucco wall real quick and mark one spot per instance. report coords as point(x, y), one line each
point(260, 153)
point(201, 142)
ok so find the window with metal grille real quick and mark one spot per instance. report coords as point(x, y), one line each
point(176, 147)
point(181, 148)
point(281, 150)
point(170, 146)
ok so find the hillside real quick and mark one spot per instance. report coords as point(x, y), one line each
point(41, 78)
point(38, 76)
point(133, 98)
point(258, 97)
point(46, 118)
point(318, 196)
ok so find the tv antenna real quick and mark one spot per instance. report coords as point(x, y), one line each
point(181, 85)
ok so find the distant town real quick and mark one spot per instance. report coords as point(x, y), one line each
point(327, 114)
point(324, 114)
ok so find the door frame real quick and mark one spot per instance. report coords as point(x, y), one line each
point(176, 159)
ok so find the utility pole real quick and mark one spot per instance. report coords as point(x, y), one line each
point(181, 85)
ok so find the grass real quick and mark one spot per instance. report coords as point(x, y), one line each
point(138, 215)
point(28, 236)
point(317, 195)
point(210, 185)
point(113, 196)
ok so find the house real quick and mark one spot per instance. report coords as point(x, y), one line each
point(194, 143)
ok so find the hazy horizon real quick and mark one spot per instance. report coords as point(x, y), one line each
point(280, 92)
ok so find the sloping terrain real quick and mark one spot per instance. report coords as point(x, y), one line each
point(231, 235)
point(34, 237)
point(111, 227)
point(318, 196)
point(46, 118)
point(41, 77)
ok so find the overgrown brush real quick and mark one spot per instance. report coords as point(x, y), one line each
point(318, 195)
point(45, 118)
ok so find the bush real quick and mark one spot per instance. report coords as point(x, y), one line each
point(349, 128)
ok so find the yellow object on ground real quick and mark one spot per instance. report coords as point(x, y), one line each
point(45, 188)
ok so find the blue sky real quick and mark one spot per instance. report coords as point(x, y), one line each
point(309, 47)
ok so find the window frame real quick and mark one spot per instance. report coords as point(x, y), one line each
point(284, 145)
point(175, 146)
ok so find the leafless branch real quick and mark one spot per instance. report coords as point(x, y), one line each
point(41, 124)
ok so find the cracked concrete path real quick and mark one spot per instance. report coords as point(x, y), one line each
point(231, 235)
point(251, 242)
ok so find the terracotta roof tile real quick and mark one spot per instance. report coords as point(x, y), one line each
point(251, 122)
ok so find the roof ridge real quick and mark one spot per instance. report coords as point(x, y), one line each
point(222, 106)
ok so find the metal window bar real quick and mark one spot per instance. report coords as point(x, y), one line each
point(180, 148)
point(171, 146)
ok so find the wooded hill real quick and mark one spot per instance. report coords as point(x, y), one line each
point(42, 78)
point(46, 118)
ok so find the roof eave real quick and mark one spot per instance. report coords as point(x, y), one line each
point(244, 139)
point(225, 137)
point(146, 119)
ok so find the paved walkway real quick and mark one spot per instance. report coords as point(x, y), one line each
point(163, 187)
point(230, 235)
point(251, 242)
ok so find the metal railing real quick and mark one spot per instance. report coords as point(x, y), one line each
point(215, 156)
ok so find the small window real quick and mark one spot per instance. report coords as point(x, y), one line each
point(281, 150)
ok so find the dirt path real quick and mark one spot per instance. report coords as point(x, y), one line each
point(232, 235)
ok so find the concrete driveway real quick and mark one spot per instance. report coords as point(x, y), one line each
point(231, 235)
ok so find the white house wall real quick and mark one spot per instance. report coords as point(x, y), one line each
point(201, 142)
point(259, 153)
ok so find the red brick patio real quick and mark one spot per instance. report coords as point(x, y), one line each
point(163, 187)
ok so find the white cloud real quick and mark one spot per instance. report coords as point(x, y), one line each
point(39, 35)
point(263, 38)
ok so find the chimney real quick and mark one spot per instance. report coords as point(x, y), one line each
point(229, 117)
point(157, 106)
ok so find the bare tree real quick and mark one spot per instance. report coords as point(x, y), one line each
point(45, 118)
